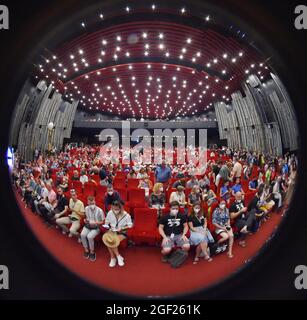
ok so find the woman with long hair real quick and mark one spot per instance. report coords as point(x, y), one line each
point(200, 236)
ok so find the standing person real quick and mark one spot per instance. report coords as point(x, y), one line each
point(200, 236)
point(94, 218)
point(237, 169)
point(221, 221)
point(224, 173)
point(173, 228)
point(76, 208)
point(118, 221)
point(163, 173)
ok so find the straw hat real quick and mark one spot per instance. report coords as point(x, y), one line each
point(111, 239)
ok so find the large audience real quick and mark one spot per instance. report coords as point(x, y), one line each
point(75, 191)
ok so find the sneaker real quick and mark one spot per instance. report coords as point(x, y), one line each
point(86, 255)
point(120, 261)
point(112, 263)
point(92, 257)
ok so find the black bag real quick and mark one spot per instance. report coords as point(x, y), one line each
point(177, 258)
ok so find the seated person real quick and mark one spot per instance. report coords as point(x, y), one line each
point(75, 176)
point(200, 236)
point(253, 185)
point(145, 184)
point(225, 192)
point(245, 220)
point(111, 196)
point(157, 197)
point(237, 187)
point(192, 182)
point(142, 174)
point(221, 221)
point(257, 204)
point(194, 196)
point(61, 207)
point(178, 196)
point(47, 205)
point(76, 209)
point(94, 218)
point(204, 182)
point(180, 182)
point(131, 174)
point(83, 177)
point(118, 221)
point(64, 183)
point(173, 228)
point(209, 196)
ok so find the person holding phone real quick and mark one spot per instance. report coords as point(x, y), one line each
point(221, 221)
point(245, 220)
point(173, 229)
point(76, 208)
point(94, 218)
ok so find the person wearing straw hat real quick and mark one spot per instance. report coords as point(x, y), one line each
point(118, 221)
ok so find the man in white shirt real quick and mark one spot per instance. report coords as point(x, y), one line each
point(94, 218)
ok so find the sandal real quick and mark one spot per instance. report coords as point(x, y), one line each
point(196, 259)
point(209, 259)
point(230, 255)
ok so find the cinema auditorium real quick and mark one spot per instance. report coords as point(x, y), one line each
point(155, 148)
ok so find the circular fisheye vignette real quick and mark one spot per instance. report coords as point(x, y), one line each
point(233, 94)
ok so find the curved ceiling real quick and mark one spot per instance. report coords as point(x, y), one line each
point(151, 68)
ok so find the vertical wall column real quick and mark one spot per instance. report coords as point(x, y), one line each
point(262, 117)
point(39, 106)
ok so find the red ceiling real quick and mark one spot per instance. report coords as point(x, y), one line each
point(173, 85)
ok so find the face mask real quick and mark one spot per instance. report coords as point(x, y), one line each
point(222, 206)
point(110, 193)
point(174, 212)
point(92, 207)
point(116, 211)
point(161, 189)
point(196, 210)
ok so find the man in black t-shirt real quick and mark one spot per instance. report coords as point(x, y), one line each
point(173, 228)
point(245, 220)
point(59, 210)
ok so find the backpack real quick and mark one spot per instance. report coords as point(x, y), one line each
point(177, 258)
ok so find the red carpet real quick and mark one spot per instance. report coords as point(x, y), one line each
point(144, 274)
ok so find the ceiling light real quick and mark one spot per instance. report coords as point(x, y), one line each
point(189, 40)
point(118, 38)
point(161, 36)
point(104, 42)
point(101, 16)
point(208, 18)
point(183, 10)
point(241, 54)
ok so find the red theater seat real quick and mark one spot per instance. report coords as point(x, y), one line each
point(145, 229)
point(78, 186)
point(133, 183)
point(119, 183)
point(89, 189)
point(136, 199)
